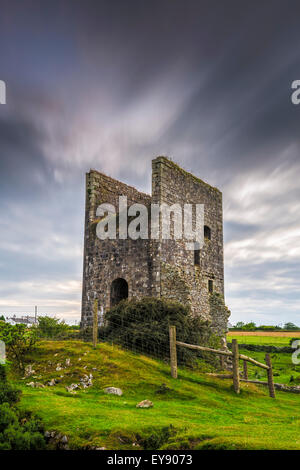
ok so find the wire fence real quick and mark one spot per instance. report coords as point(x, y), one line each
point(134, 335)
point(125, 331)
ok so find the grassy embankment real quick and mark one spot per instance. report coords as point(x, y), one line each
point(204, 413)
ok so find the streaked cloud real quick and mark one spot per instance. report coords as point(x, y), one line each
point(110, 85)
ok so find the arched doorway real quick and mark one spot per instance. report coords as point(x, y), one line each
point(118, 291)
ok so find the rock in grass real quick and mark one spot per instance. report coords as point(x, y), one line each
point(39, 385)
point(29, 371)
point(51, 383)
point(86, 381)
point(145, 404)
point(35, 385)
point(31, 384)
point(113, 391)
point(72, 387)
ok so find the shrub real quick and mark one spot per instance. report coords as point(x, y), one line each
point(18, 430)
point(86, 333)
point(143, 326)
point(8, 393)
point(52, 328)
point(19, 341)
point(292, 341)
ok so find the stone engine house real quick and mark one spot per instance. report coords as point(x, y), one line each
point(118, 269)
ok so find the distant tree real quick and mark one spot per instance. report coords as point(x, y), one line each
point(142, 325)
point(267, 327)
point(239, 325)
point(249, 326)
point(290, 326)
point(2, 318)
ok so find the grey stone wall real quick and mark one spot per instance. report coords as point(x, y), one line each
point(106, 260)
point(179, 277)
point(162, 268)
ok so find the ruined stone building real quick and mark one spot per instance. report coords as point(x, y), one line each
point(117, 269)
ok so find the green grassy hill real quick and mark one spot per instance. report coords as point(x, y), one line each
point(194, 412)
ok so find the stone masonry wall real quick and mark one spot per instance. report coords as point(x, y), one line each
point(106, 260)
point(159, 268)
point(179, 277)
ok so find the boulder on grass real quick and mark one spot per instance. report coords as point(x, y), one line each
point(113, 391)
point(145, 404)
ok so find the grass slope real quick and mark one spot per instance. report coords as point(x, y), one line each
point(198, 412)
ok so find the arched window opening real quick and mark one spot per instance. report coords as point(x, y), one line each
point(210, 286)
point(207, 232)
point(118, 291)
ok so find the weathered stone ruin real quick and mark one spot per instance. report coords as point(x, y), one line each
point(126, 268)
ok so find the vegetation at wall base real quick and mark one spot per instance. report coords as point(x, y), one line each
point(143, 325)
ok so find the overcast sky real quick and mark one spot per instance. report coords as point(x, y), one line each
point(112, 84)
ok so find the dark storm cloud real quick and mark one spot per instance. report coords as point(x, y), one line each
point(22, 166)
point(110, 85)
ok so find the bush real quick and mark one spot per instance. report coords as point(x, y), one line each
point(292, 340)
point(143, 326)
point(19, 341)
point(86, 333)
point(8, 393)
point(18, 431)
point(51, 328)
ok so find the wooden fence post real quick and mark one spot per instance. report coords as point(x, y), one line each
point(235, 366)
point(173, 351)
point(95, 323)
point(245, 367)
point(222, 362)
point(270, 376)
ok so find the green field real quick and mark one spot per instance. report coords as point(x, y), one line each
point(285, 371)
point(267, 340)
point(195, 412)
